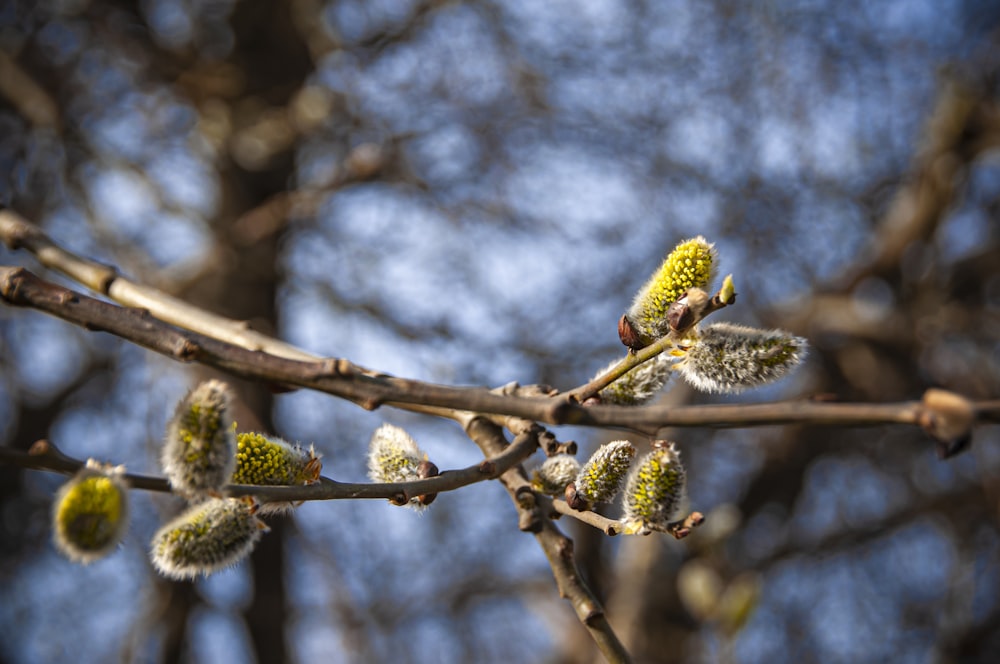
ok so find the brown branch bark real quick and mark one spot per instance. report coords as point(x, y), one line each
point(558, 548)
point(18, 233)
point(371, 389)
point(45, 456)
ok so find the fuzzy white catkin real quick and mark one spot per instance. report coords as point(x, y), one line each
point(731, 358)
point(393, 456)
point(199, 453)
point(640, 384)
point(555, 473)
point(206, 538)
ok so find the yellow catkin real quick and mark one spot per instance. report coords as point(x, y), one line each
point(270, 461)
point(690, 265)
point(601, 477)
point(90, 513)
point(654, 491)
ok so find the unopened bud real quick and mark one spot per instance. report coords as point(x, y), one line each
point(628, 334)
point(688, 310)
point(425, 470)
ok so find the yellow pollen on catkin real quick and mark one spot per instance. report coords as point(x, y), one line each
point(690, 265)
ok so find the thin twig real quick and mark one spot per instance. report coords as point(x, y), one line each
point(627, 363)
point(722, 299)
point(608, 526)
point(45, 456)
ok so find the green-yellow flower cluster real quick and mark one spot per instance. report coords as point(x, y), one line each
point(207, 537)
point(199, 453)
point(601, 477)
point(90, 513)
point(690, 265)
point(269, 460)
point(654, 491)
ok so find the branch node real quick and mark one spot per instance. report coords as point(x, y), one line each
point(547, 441)
point(186, 350)
point(565, 412)
point(593, 614)
point(110, 273)
point(948, 418)
point(40, 447)
point(525, 497)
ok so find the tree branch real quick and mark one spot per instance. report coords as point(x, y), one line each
point(371, 389)
point(557, 547)
point(18, 233)
point(45, 456)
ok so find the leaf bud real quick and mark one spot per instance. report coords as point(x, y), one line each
point(424, 470)
point(688, 310)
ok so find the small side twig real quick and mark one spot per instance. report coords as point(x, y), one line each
point(723, 298)
point(607, 526)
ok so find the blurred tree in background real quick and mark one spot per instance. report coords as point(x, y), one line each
point(469, 193)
